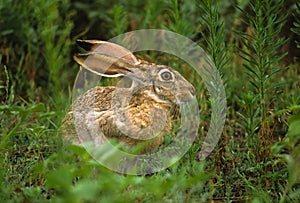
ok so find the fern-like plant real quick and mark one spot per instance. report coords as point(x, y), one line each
point(216, 48)
point(181, 17)
point(54, 32)
point(261, 42)
point(296, 23)
point(215, 39)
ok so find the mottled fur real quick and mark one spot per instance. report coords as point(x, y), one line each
point(142, 113)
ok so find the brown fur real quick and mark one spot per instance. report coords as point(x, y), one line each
point(140, 114)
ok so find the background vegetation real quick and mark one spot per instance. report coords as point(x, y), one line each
point(255, 46)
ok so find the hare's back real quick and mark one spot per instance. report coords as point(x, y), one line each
point(98, 97)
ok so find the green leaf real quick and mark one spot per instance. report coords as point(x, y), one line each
point(294, 126)
point(295, 194)
point(86, 190)
point(60, 178)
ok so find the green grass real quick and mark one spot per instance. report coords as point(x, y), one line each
point(257, 158)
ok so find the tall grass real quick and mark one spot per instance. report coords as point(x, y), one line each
point(36, 46)
point(54, 32)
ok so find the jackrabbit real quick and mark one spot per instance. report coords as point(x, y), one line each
point(141, 113)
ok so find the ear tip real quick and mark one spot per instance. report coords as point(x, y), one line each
point(80, 57)
point(84, 54)
point(75, 56)
point(84, 41)
point(89, 45)
point(80, 41)
point(89, 41)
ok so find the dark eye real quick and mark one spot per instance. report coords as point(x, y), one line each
point(166, 75)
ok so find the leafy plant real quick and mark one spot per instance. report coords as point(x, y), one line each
point(288, 151)
point(43, 44)
point(120, 20)
point(214, 38)
point(260, 54)
point(297, 23)
point(181, 15)
point(54, 29)
point(4, 85)
point(23, 144)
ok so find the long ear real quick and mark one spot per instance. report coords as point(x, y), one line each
point(109, 49)
point(104, 65)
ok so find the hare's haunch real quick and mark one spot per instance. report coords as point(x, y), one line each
point(141, 113)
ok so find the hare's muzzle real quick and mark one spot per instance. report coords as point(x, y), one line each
point(186, 94)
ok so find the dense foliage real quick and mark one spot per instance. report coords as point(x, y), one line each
point(254, 45)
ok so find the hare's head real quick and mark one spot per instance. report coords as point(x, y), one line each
point(160, 82)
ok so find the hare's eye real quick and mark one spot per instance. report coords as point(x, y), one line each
point(166, 75)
